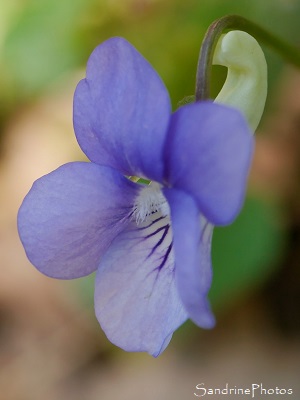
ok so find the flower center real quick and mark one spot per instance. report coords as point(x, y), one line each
point(149, 201)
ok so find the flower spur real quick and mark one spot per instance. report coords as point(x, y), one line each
point(150, 244)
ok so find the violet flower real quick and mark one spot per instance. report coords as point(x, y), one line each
point(150, 244)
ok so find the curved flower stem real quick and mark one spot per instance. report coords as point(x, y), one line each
point(235, 22)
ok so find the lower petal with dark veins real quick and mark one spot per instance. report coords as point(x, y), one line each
point(136, 299)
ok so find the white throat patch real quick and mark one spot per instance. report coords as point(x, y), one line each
point(149, 201)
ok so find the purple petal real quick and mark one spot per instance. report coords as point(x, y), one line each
point(136, 299)
point(70, 217)
point(122, 110)
point(208, 155)
point(192, 247)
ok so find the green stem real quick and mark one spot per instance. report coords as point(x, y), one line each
point(235, 22)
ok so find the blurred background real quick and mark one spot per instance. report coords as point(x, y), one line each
point(51, 346)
